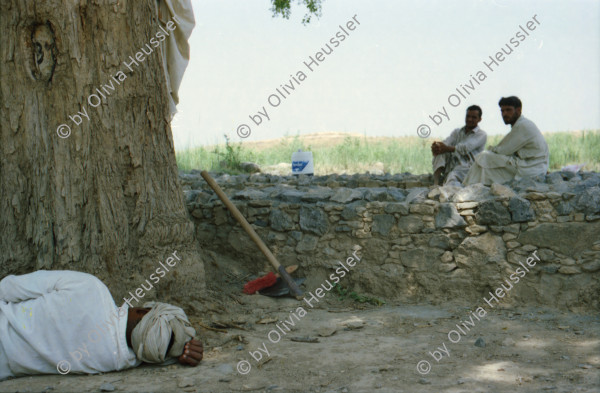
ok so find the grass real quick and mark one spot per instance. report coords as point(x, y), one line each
point(344, 294)
point(358, 154)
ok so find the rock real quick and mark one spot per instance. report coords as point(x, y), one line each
point(508, 236)
point(550, 269)
point(447, 257)
point(476, 229)
point(257, 178)
point(563, 238)
point(376, 251)
point(466, 205)
point(475, 192)
point(107, 387)
point(520, 210)
point(184, 382)
point(448, 217)
point(191, 196)
point(447, 267)
point(419, 208)
point(554, 178)
point(434, 193)
point(501, 191)
point(396, 194)
point(590, 180)
point(249, 167)
point(569, 270)
point(535, 196)
point(260, 223)
point(280, 221)
point(419, 259)
point(480, 343)
point(418, 194)
point(477, 251)
point(447, 192)
point(410, 224)
point(383, 224)
point(350, 212)
point(512, 228)
point(380, 194)
point(467, 212)
point(294, 196)
point(249, 194)
point(527, 184)
point(354, 324)
point(317, 194)
point(345, 195)
point(588, 201)
point(440, 241)
point(564, 208)
point(585, 366)
point(591, 266)
point(401, 208)
point(512, 244)
point(493, 212)
point(308, 243)
point(314, 220)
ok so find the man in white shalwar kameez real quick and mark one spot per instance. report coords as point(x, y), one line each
point(456, 153)
point(59, 321)
point(175, 49)
point(523, 152)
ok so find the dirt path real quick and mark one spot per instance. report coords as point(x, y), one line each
point(372, 350)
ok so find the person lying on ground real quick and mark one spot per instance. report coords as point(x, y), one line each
point(53, 321)
point(523, 152)
point(453, 157)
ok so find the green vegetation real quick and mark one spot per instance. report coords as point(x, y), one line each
point(343, 294)
point(359, 154)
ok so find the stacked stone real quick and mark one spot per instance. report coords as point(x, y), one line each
point(418, 242)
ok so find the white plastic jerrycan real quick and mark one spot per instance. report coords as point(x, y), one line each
point(302, 163)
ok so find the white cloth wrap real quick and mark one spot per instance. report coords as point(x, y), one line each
point(150, 338)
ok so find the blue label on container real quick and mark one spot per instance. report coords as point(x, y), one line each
point(298, 166)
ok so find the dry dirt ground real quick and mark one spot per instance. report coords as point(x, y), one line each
point(366, 349)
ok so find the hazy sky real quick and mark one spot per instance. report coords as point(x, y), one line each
point(395, 69)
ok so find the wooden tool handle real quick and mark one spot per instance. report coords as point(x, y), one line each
point(294, 289)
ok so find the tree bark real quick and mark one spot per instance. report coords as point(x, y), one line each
point(107, 199)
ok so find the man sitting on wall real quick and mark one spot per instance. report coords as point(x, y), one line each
point(455, 155)
point(523, 152)
point(60, 321)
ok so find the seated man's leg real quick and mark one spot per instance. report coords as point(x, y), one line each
point(439, 163)
point(456, 176)
point(4, 370)
point(491, 168)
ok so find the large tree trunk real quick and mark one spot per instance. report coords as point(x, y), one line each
point(107, 199)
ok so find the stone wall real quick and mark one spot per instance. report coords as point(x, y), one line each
point(418, 243)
